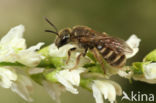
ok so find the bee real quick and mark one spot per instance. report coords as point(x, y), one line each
point(102, 46)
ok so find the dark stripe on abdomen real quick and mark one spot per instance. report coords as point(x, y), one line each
point(117, 60)
point(120, 62)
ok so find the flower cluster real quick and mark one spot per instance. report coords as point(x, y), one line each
point(146, 71)
point(20, 65)
point(13, 56)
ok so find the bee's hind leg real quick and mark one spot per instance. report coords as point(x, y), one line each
point(69, 54)
point(99, 58)
point(78, 59)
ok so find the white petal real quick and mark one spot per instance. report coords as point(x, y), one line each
point(8, 55)
point(150, 71)
point(28, 58)
point(36, 71)
point(14, 38)
point(133, 43)
point(13, 48)
point(68, 86)
point(11, 43)
point(23, 86)
point(61, 52)
point(70, 78)
point(124, 74)
point(36, 47)
point(108, 88)
point(7, 76)
point(97, 94)
point(54, 90)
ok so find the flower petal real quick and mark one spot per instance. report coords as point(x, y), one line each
point(125, 74)
point(133, 43)
point(7, 76)
point(150, 71)
point(14, 38)
point(23, 86)
point(107, 88)
point(36, 47)
point(61, 52)
point(29, 57)
point(70, 78)
point(54, 90)
point(97, 94)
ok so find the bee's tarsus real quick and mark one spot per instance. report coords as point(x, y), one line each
point(69, 54)
point(77, 61)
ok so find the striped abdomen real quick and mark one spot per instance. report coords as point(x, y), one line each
point(114, 59)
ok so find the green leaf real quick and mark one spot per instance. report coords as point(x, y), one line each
point(151, 56)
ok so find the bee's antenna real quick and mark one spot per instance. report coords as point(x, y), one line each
point(52, 32)
point(52, 25)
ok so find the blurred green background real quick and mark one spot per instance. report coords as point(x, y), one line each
point(119, 18)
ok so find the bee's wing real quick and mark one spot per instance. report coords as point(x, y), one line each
point(116, 44)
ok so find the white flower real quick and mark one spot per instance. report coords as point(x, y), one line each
point(61, 52)
point(36, 70)
point(133, 43)
point(150, 71)
point(7, 76)
point(54, 90)
point(23, 87)
point(14, 38)
point(29, 57)
point(125, 74)
point(106, 88)
point(70, 78)
point(13, 48)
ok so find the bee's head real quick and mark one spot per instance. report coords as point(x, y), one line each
point(63, 37)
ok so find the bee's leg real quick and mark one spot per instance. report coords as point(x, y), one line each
point(78, 58)
point(99, 58)
point(69, 54)
point(77, 61)
point(85, 52)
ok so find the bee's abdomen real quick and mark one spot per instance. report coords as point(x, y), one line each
point(114, 59)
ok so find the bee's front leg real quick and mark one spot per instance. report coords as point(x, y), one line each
point(78, 58)
point(69, 54)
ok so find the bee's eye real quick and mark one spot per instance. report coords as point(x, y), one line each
point(65, 39)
